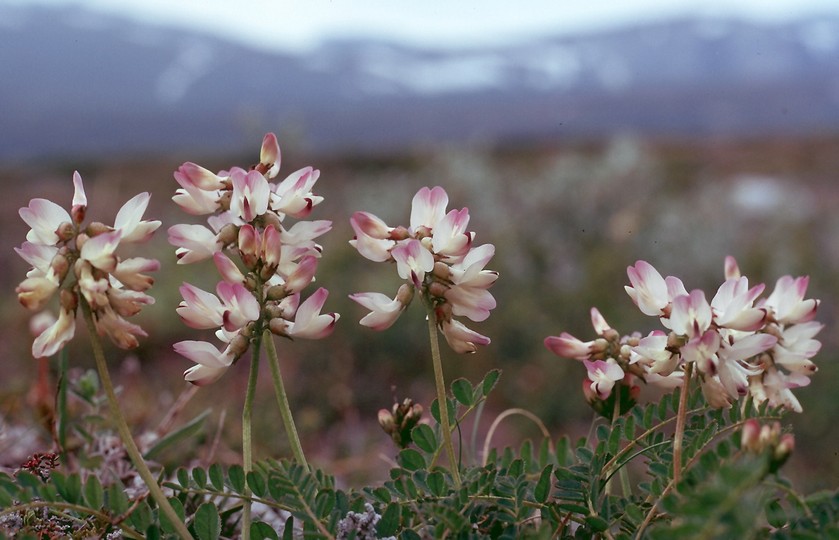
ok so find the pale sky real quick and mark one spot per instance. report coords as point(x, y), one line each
point(301, 24)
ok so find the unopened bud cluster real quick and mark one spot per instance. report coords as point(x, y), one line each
point(400, 420)
point(769, 439)
point(276, 262)
point(80, 261)
point(740, 344)
point(436, 257)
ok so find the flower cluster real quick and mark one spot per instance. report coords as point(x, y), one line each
point(739, 344)
point(247, 218)
point(80, 262)
point(436, 257)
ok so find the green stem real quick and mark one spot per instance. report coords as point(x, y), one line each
point(247, 439)
point(442, 401)
point(681, 416)
point(282, 400)
point(61, 405)
point(124, 431)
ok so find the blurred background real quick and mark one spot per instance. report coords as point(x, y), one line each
point(581, 137)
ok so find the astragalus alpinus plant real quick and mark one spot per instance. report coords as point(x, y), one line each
point(261, 296)
point(80, 264)
point(703, 460)
point(435, 256)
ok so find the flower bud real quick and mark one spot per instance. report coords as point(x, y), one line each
point(386, 421)
point(612, 335)
point(225, 198)
point(399, 233)
point(442, 270)
point(96, 228)
point(60, 266)
point(427, 243)
point(276, 292)
point(625, 351)
point(785, 447)
point(279, 327)
point(248, 243)
point(229, 234)
point(239, 345)
point(423, 232)
point(750, 435)
point(270, 219)
point(405, 294)
point(599, 347)
point(437, 289)
point(68, 300)
point(65, 231)
point(273, 311)
point(77, 213)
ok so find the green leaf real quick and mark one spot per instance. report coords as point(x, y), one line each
point(435, 410)
point(409, 534)
point(411, 460)
point(543, 485)
point(69, 487)
point(183, 477)
point(236, 474)
point(775, 514)
point(288, 530)
point(165, 524)
point(200, 477)
point(190, 429)
point(634, 513)
point(490, 380)
point(597, 523)
point(436, 483)
point(28, 480)
point(256, 481)
point(93, 492)
point(217, 476)
point(615, 440)
point(262, 531)
point(117, 502)
point(324, 503)
point(629, 428)
point(563, 451)
point(153, 532)
point(142, 516)
point(425, 438)
point(207, 523)
point(462, 391)
point(6, 499)
point(389, 523)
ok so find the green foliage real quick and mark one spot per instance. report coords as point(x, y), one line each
point(618, 484)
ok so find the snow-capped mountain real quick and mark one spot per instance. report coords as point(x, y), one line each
point(81, 84)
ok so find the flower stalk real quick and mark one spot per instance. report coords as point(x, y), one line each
point(442, 400)
point(247, 437)
point(681, 416)
point(124, 432)
point(282, 401)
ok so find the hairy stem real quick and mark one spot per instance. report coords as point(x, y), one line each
point(125, 432)
point(442, 401)
point(681, 416)
point(247, 439)
point(282, 400)
point(61, 402)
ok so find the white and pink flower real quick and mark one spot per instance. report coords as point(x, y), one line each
point(276, 261)
point(112, 286)
point(435, 255)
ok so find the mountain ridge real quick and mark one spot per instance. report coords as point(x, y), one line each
point(78, 83)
